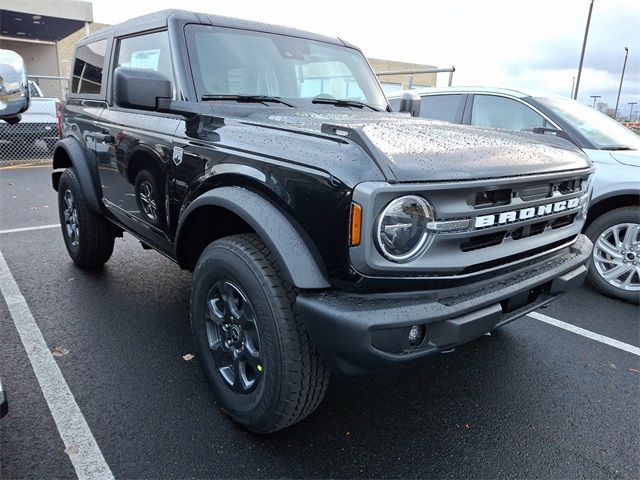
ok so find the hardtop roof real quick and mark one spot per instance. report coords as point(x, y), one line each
point(162, 18)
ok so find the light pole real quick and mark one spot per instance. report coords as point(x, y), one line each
point(584, 46)
point(573, 84)
point(624, 65)
point(595, 97)
point(631, 108)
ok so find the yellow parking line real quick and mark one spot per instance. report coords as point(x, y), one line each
point(28, 165)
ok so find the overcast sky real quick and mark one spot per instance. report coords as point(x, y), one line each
point(532, 44)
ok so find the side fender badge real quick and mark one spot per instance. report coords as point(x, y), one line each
point(177, 155)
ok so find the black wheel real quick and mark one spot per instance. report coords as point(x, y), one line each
point(615, 261)
point(253, 348)
point(88, 236)
point(149, 197)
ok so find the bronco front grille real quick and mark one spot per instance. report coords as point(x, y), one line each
point(526, 231)
point(492, 197)
point(479, 225)
point(514, 258)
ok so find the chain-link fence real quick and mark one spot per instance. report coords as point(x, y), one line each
point(33, 138)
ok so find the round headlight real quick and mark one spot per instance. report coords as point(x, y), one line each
point(401, 229)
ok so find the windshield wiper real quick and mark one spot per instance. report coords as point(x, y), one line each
point(616, 147)
point(247, 99)
point(343, 102)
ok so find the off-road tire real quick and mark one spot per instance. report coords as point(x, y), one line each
point(295, 377)
point(97, 234)
point(596, 228)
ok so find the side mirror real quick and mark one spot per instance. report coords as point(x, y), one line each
point(14, 89)
point(410, 102)
point(552, 131)
point(140, 88)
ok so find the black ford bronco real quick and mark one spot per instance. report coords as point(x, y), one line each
point(323, 232)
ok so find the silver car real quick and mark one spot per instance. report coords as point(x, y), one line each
point(614, 216)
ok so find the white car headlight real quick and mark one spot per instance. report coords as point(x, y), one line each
point(401, 229)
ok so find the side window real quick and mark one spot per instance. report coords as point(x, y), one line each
point(440, 107)
point(499, 112)
point(150, 51)
point(87, 68)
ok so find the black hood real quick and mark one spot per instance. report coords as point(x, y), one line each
point(415, 149)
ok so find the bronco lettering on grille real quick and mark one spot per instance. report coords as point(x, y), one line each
point(526, 213)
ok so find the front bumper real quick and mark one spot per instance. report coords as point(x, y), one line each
point(356, 333)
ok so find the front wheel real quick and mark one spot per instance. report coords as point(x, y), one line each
point(253, 348)
point(88, 236)
point(615, 262)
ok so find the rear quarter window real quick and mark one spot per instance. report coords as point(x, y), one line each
point(88, 67)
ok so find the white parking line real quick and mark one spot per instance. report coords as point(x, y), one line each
point(586, 333)
point(28, 229)
point(88, 462)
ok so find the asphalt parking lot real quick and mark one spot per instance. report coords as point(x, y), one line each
point(536, 400)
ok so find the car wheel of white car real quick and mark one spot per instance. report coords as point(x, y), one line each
point(615, 262)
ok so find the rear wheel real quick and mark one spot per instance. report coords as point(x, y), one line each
point(615, 262)
point(88, 236)
point(149, 197)
point(253, 348)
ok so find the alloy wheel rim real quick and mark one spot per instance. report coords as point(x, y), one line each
point(233, 336)
point(147, 199)
point(616, 256)
point(70, 213)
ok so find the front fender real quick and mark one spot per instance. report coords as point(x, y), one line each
point(69, 149)
point(296, 254)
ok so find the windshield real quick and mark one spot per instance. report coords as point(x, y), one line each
point(601, 130)
point(227, 61)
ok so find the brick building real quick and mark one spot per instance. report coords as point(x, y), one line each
point(36, 30)
point(401, 82)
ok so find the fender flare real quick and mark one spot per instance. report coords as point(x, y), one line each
point(298, 258)
point(86, 173)
point(616, 192)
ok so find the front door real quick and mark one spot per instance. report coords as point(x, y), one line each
point(135, 154)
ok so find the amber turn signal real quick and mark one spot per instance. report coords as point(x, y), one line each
point(356, 225)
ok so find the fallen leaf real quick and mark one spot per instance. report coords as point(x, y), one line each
point(188, 357)
point(71, 450)
point(59, 351)
point(634, 370)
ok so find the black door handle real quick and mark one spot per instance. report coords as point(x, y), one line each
point(101, 137)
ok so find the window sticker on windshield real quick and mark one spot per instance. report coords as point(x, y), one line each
point(147, 59)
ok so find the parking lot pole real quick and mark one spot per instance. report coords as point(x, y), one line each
point(624, 65)
point(584, 46)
